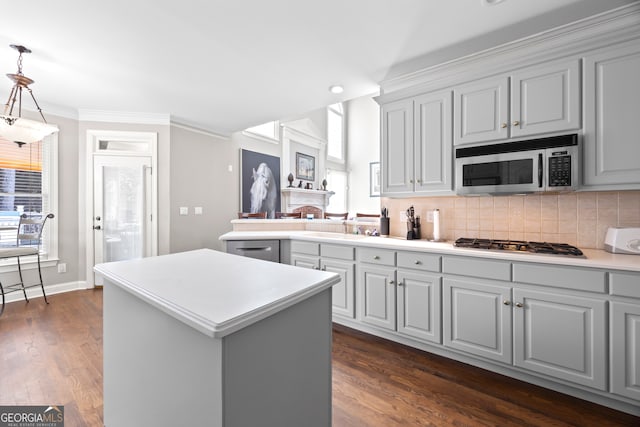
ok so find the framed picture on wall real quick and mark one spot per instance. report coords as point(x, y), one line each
point(305, 167)
point(259, 183)
point(374, 179)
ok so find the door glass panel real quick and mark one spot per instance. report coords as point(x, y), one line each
point(123, 211)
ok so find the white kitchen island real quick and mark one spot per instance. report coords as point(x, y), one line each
point(204, 338)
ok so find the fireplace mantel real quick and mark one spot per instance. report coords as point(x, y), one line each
point(293, 198)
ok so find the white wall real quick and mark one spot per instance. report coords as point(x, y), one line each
point(363, 134)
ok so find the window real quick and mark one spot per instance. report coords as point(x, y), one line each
point(337, 182)
point(269, 130)
point(27, 186)
point(335, 132)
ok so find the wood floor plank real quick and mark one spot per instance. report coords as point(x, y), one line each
point(52, 354)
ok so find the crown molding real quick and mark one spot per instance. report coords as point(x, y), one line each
point(124, 117)
point(615, 26)
point(195, 129)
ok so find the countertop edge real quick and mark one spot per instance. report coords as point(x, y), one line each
point(595, 258)
point(207, 327)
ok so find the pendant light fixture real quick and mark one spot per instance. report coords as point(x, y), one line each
point(12, 126)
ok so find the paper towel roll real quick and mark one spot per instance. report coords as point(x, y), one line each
point(436, 224)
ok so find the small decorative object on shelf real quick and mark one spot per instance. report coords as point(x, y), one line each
point(324, 185)
point(290, 179)
point(300, 184)
point(308, 186)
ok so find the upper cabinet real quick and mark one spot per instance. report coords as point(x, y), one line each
point(612, 109)
point(416, 145)
point(535, 100)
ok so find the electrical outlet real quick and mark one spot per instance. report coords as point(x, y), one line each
point(62, 267)
point(403, 216)
point(197, 210)
point(184, 210)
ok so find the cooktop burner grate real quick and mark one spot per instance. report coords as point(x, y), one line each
point(519, 246)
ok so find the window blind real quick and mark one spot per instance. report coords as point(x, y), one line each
point(20, 185)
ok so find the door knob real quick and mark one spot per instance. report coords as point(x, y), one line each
point(516, 123)
point(98, 218)
point(519, 305)
point(97, 227)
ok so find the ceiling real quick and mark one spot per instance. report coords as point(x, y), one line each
point(223, 66)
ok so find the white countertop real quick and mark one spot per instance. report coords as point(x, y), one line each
point(594, 258)
point(214, 292)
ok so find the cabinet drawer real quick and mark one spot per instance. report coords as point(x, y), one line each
point(338, 251)
point(561, 277)
point(624, 284)
point(419, 261)
point(308, 248)
point(485, 268)
point(377, 256)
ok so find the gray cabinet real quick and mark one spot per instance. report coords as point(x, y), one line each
point(376, 297)
point(416, 145)
point(535, 100)
point(625, 349)
point(612, 108)
point(419, 296)
point(575, 350)
point(305, 254)
point(477, 318)
point(341, 259)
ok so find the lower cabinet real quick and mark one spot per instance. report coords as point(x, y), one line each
point(335, 259)
point(400, 292)
point(625, 349)
point(477, 318)
point(562, 336)
point(377, 296)
point(341, 260)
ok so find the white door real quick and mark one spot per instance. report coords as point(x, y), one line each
point(121, 208)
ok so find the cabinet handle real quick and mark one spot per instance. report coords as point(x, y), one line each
point(400, 283)
point(418, 181)
point(392, 282)
point(516, 123)
point(519, 305)
point(504, 125)
point(410, 181)
point(376, 257)
point(505, 302)
point(417, 262)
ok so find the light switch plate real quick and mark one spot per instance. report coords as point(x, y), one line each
point(184, 210)
point(197, 210)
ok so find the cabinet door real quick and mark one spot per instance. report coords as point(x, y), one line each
point(418, 305)
point(305, 261)
point(396, 159)
point(343, 292)
point(477, 318)
point(545, 99)
point(612, 108)
point(561, 335)
point(481, 111)
point(625, 349)
point(376, 297)
point(433, 143)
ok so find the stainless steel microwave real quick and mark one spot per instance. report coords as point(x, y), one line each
point(530, 166)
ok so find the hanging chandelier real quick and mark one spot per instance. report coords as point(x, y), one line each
point(13, 127)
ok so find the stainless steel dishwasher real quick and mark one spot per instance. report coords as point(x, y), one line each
point(268, 250)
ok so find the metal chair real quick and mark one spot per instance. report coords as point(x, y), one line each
point(27, 244)
point(328, 215)
point(246, 215)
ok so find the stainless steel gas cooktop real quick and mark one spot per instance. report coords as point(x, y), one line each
point(519, 246)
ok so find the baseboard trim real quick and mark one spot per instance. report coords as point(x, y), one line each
point(36, 292)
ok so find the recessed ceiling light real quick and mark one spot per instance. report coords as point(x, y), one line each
point(336, 89)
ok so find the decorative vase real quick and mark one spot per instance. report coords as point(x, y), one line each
point(324, 185)
point(290, 179)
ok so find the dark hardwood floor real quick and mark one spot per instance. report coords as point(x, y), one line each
point(53, 355)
